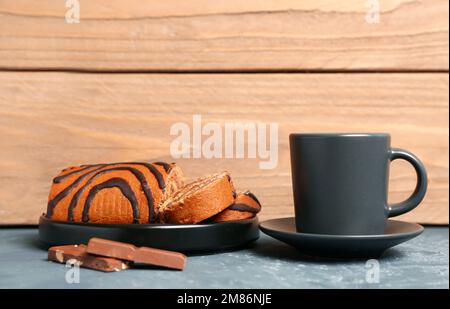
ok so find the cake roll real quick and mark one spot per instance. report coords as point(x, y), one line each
point(113, 193)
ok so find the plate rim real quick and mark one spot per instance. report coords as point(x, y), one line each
point(418, 231)
point(242, 232)
point(45, 220)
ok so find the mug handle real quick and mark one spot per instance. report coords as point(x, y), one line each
point(421, 186)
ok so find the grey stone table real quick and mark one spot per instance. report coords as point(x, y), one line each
point(420, 263)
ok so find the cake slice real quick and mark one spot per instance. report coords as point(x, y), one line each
point(198, 200)
point(245, 206)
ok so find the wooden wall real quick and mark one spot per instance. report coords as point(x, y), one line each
point(110, 87)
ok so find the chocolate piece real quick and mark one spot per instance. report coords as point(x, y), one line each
point(129, 252)
point(62, 254)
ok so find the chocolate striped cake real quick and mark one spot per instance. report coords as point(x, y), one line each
point(140, 193)
point(127, 192)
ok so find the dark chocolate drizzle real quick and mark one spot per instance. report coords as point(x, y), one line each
point(82, 169)
point(70, 168)
point(251, 195)
point(243, 207)
point(138, 174)
point(112, 183)
point(52, 203)
point(165, 165)
point(159, 177)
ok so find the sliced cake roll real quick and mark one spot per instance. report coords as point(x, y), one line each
point(127, 192)
point(199, 200)
point(245, 206)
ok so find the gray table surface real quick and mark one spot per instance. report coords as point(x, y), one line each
point(420, 263)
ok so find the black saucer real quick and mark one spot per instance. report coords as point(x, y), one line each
point(341, 246)
point(192, 238)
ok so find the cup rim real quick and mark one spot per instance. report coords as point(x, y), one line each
point(341, 135)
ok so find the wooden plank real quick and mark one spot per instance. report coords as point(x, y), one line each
point(51, 120)
point(224, 35)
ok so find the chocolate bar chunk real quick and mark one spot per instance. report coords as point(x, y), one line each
point(129, 252)
point(62, 254)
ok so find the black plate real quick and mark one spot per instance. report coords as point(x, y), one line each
point(341, 246)
point(193, 238)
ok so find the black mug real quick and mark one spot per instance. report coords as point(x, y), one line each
point(340, 182)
